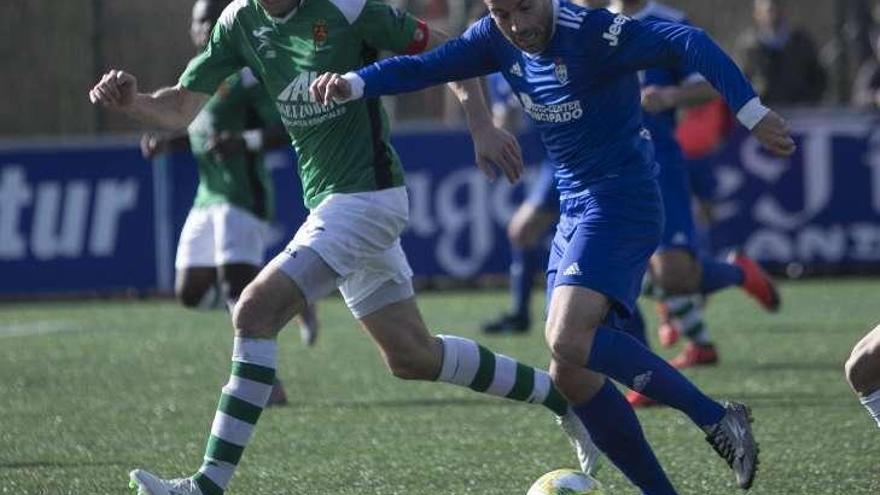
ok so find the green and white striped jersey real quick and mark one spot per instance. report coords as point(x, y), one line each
point(342, 148)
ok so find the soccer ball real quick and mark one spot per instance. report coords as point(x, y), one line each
point(566, 482)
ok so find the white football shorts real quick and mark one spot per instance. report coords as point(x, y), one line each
point(358, 236)
point(220, 235)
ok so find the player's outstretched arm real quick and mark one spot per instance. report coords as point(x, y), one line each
point(644, 45)
point(493, 147)
point(171, 108)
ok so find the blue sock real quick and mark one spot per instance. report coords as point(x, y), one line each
point(719, 275)
point(523, 265)
point(621, 357)
point(615, 429)
point(635, 327)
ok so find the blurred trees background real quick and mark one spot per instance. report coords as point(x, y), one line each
point(53, 51)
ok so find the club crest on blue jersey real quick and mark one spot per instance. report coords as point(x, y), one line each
point(561, 71)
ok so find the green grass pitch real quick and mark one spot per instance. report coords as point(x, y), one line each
point(90, 390)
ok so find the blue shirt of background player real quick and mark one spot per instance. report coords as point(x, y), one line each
point(662, 125)
point(581, 91)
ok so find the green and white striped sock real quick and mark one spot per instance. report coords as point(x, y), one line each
point(241, 402)
point(468, 364)
point(687, 310)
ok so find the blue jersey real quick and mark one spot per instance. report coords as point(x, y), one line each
point(582, 91)
point(662, 125)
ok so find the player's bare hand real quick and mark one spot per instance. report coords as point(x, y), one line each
point(330, 86)
point(151, 145)
point(494, 147)
point(656, 99)
point(116, 89)
point(773, 133)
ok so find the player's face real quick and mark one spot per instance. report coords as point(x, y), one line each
point(768, 13)
point(528, 24)
point(201, 25)
point(279, 8)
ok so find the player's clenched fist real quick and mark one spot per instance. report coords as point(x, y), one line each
point(773, 133)
point(116, 89)
point(330, 86)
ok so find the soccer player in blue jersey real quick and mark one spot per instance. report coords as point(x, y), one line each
point(534, 216)
point(574, 71)
point(679, 276)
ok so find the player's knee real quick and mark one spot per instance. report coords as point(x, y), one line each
point(568, 352)
point(252, 318)
point(863, 365)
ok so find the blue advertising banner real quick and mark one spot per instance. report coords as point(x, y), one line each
point(98, 218)
point(76, 219)
point(819, 210)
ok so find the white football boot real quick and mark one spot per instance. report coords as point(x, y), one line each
point(149, 484)
point(587, 452)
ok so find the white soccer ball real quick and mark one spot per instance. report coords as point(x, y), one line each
point(566, 482)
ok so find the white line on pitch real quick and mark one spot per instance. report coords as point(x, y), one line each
point(36, 328)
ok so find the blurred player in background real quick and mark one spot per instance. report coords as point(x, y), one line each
point(353, 185)
point(863, 372)
point(679, 277)
point(532, 220)
point(530, 223)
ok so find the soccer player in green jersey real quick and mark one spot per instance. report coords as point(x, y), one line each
point(353, 186)
point(223, 239)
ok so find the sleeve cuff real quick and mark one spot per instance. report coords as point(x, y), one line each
point(751, 113)
point(357, 86)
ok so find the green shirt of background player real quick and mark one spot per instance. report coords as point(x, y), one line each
point(221, 244)
point(352, 182)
